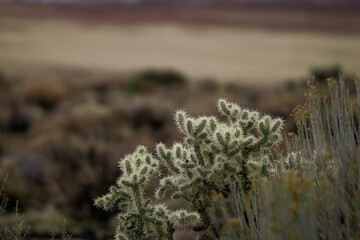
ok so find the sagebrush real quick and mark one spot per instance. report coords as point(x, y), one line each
point(314, 189)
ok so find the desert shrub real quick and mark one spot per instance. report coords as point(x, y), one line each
point(69, 159)
point(46, 94)
point(3, 81)
point(313, 191)
point(323, 73)
point(291, 85)
point(18, 120)
point(3, 198)
point(64, 234)
point(211, 153)
point(235, 90)
point(94, 121)
point(150, 80)
point(13, 226)
point(208, 86)
point(16, 228)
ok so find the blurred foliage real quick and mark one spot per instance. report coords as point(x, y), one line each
point(208, 86)
point(16, 228)
point(46, 94)
point(314, 191)
point(149, 80)
point(88, 163)
point(322, 73)
point(291, 85)
point(60, 140)
point(2, 77)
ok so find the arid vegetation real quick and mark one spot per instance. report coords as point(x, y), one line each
point(51, 138)
point(80, 138)
point(83, 85)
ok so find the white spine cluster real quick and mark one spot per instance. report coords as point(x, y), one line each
point(213, 151)
point(138, 217)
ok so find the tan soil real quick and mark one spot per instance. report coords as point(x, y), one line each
point(247, 54)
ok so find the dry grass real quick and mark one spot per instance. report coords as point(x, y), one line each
point(315, 193)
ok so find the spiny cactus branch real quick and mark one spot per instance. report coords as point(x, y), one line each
point(211, 153)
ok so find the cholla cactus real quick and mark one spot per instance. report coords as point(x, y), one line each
point(138, 217)
point(214, 151)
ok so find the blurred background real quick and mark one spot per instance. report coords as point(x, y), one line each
point(82, 83)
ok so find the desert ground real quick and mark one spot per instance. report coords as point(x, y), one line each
point(213, 43)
